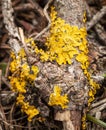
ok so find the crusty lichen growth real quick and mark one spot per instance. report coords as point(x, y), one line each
point(83, 122)
point(30, 110)
point(57, 99)
point(66, 43)
point(22, 74)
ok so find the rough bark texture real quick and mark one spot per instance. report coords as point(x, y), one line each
point(69, 77)
point(10, 26)
point(71, 11)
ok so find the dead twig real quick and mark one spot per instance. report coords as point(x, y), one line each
point(97, 109)
point(8, 98)
point(15, 2)
point(7, 69)
point(17, 37)
point(6, 123)
point(100, 31)
point(98, 103)
point(6, 82)
point(36, 6)
point(3, 117)
point(47, 17)
point(23, 7)
point(97, 17)
point(4, 47)
point(27, 26)
point(31, 59)
point(11, 112)
point(29, 125)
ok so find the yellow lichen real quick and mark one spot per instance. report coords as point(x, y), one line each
point(57, 99)
point(22, 74)
point(30, 110)
point(83, 122)
point(65, 43)
point(84, 17)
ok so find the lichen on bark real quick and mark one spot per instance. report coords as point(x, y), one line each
point(69, 73)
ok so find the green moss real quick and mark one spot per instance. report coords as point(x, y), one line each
point(3, 67)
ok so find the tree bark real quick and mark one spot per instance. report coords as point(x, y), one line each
point(69, 77)
point(71, 11)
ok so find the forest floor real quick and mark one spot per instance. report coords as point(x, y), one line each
point(30, 17)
